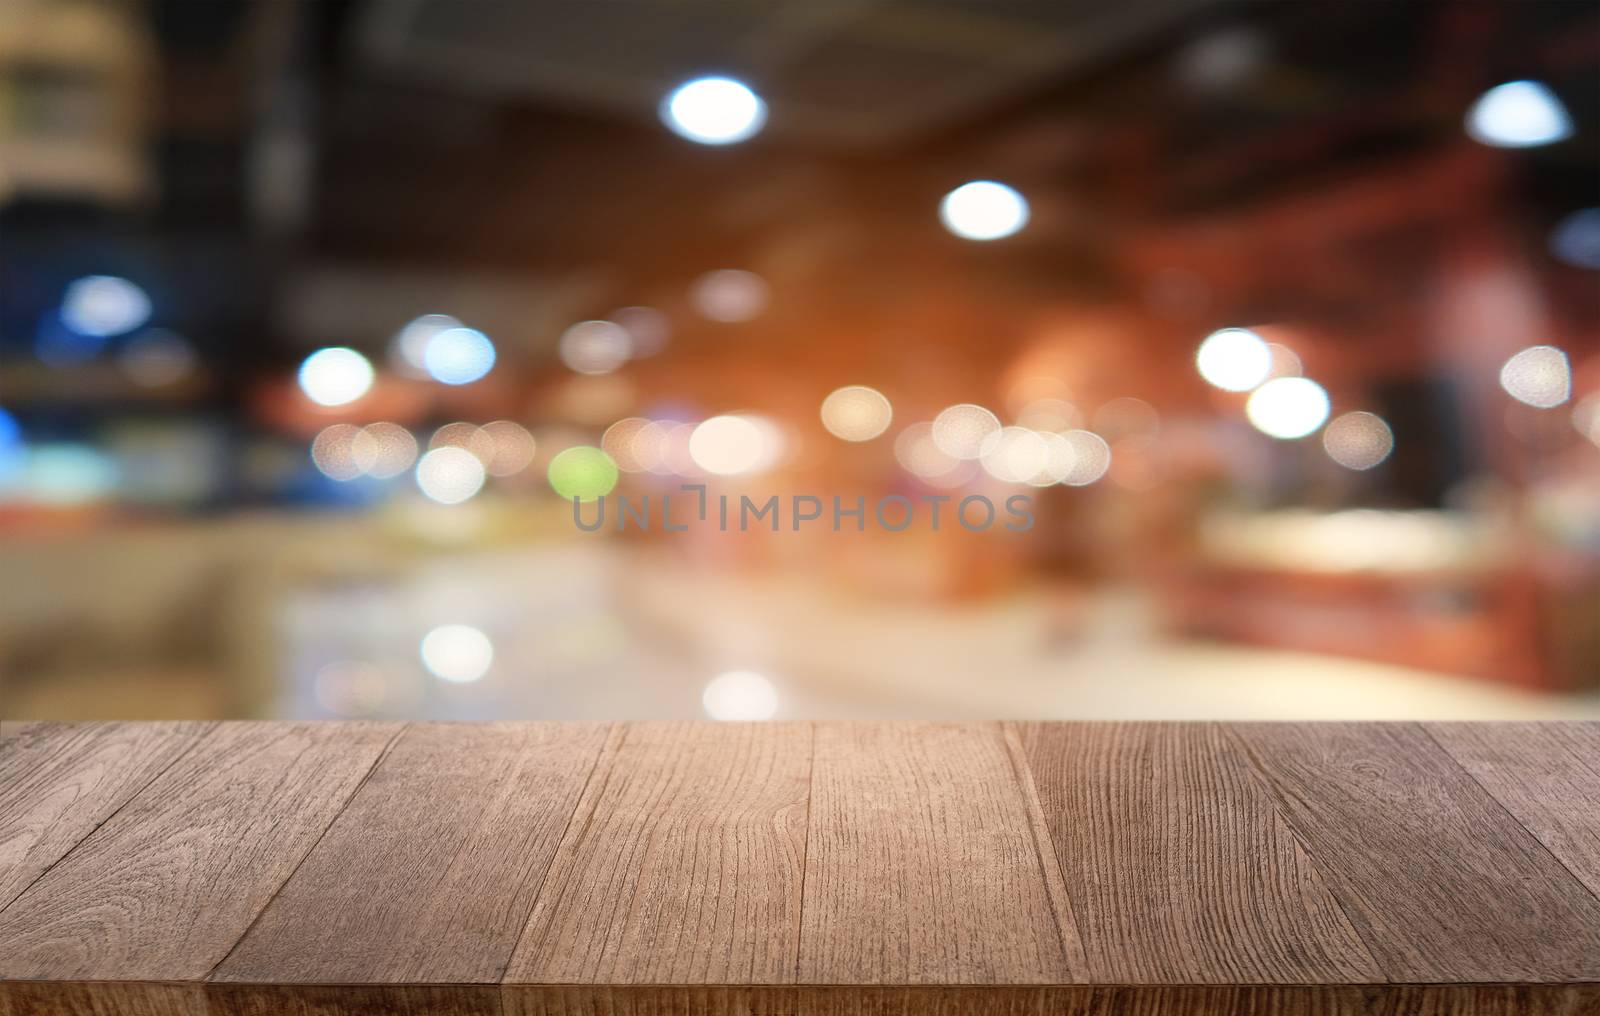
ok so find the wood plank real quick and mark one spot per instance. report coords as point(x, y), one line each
point(904, 868)
point(1548, 777)
point(1058, 1000)
point(922, 863)
point(1440, 881)
point(1179, 868)
point(197, 998)
point(38, 998)
point(58, 781)
point(165, 887)
point(102, 998)
point(683, 863)
point(352, 1000)
point(430, 873)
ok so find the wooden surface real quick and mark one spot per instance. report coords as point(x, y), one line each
point(300, 868)
point(922, 866)
point(451, 837)
point(687, 833)
point(163, 888)
point(1185, 870)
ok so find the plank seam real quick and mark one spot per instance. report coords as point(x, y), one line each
point(1273, 795)
point(614, 731)
point(1426, 729)
point(211, 728)
point(1055, 883)
point(376, 762)
point(805, 856)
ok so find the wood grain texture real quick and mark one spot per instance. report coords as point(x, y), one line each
point(102, 998)
point(1058, 1000)
point(429, 874)
point(683, 863)
point(136, 998)
point(1440, 881)
point(922, 866)
point(1547, 775)
point(37, 998)
point(835, 869)
point(59, 781)
point(166, 886)
point(1179, 868)
point(352, 1000)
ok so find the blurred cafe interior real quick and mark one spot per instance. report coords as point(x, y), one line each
point(316, 316)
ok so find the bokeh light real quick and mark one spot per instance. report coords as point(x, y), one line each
point(648, 329)
point(983, 210)
point(383, 450)
point(663, 448)
point(1576, 239)
point(648, 446)
point(735, 444)
point(450, 475)
point(1518, 114)
point(468, 436)
point(714, 111)
point(409, 347)
point(1091, 457)
point(10, 431)
point(333, 452)
point(1285, 362)
point(1585, 417)
point(69, 474)
point(595, 347)
point(1223, 59)
point(673, 455)
point(730, 295)
point(1234, 359)
point(103, 306)
point(1061, 456)
point(618, 443)
point(1539, 376)
point(335, 376)
point(458, 356)
point(1288, 407)
point(13, 451)
point(1358, 440)
point(961, 430)
point(510, 446)
point(458, 653)
point(582, 472)
point(157, 358)
point(740, 695)
point(919, 454)
point(856, 413)
point(1015, 455)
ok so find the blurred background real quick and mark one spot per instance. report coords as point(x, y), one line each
point(1287, 316)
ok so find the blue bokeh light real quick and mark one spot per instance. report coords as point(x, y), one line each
point(458, 356)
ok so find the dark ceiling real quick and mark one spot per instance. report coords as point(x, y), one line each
point(519, 140)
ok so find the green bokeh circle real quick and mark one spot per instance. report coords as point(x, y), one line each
point(582, 472)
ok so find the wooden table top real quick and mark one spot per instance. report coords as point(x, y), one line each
point(521, 868)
